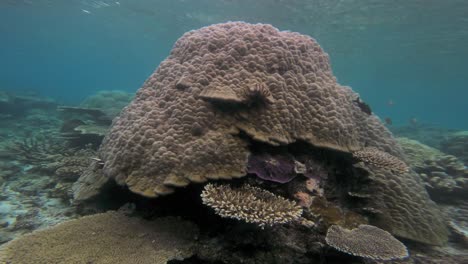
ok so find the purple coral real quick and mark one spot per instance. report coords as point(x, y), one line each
point(276, 168)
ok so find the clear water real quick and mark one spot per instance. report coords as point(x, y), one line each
point(408, 59)
point(410, 52)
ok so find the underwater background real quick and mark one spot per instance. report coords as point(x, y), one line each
point(409, 53)
point(263, 158)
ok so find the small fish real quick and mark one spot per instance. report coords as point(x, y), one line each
point(390, 102)
point(117, 3)
point(388, 121)
point(413, 121)
point(86, 11)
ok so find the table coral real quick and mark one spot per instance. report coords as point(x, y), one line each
point(366, 241)
point(250, 204)
point(227, 85)
point(104, 238)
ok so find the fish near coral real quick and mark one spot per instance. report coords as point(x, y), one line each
point(195, 119)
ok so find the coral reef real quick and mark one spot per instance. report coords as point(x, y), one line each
point(251, 204)
point(427, 134)
point(326, 214)
point(13, 105)
point(279, 168)
point(458, 223)
point(172, 124)
point(457, 145)
point(40, 148)
point(445, 176)
point(394, 203)
point(227, 85)
point(110, 102)
point(366, 241)
point(83, 126)
point(27, 203)
point(37, 170)
point(375, 157)
point(111, 237)
point(89, 122)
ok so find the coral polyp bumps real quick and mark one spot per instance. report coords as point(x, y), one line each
point(195, 119)
point(250, 204)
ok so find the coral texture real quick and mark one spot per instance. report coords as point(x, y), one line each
point(277, 87)
point(445, 175)
point(227, 82)
point(402, 206)
point(104, 238)
point(375, 157)
point(457, 145)
point(250, 204)
point(366, 241)
point(110, 102)
point(279, 168)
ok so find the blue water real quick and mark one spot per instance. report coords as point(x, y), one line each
point(411, 52)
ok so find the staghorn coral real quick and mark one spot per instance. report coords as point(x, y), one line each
point(250, 204)
point(104, 238)
point(366, 241)
point(381, 159)
point(37, 149)
point(191, 120)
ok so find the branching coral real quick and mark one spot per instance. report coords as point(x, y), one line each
point(366, 241)
point(381, 159)
point(37, 148)
point(250, 204)
point(191, 122)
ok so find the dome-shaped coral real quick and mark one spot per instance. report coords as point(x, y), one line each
point(227, 84)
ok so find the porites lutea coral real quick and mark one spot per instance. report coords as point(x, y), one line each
point(184, 124)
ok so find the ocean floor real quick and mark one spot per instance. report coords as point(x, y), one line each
point(45, 146)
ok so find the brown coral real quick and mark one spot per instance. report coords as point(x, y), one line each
point(366, 241)
point(190, 120)
point(104, 238)
point(381, 159)
point(152, 146)
point(445, 175)
point(250, 204)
